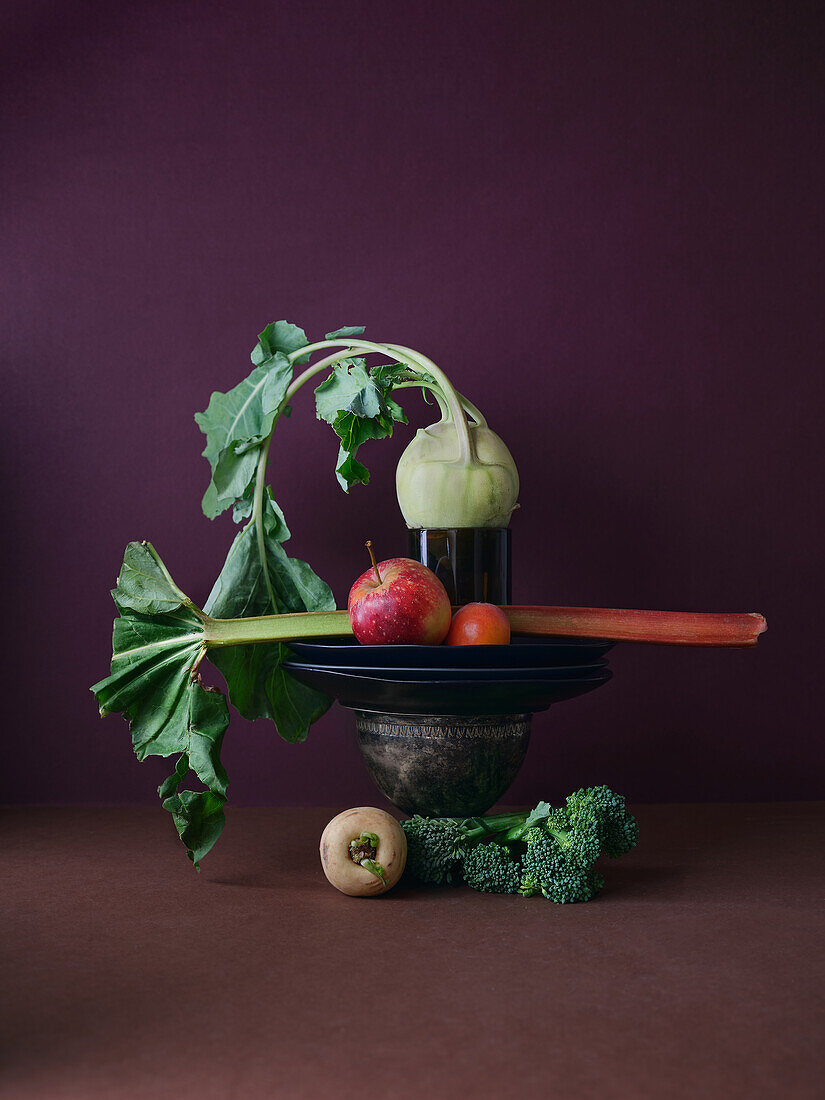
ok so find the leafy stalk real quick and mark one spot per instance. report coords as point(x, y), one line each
point(159, 641)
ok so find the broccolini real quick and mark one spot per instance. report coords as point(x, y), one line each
point(549, 851)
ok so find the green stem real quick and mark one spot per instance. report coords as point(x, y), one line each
point(276, 628)
point(258, 515)
point(418, 364)
point(374, 869)
point(260, 474)
point(466, 448)
point(477, 416)
point(479, 827)
point(433, 389)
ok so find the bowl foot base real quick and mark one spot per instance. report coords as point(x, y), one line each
point(443, 765)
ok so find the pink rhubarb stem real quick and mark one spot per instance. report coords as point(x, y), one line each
point(657, 627)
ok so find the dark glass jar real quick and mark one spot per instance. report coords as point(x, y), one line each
point(473, 563)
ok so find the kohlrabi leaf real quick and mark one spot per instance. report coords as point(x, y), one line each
point(387, 375)
point(344, 333)
point(258, 686)
point(278, 336)
point(349, 470)
point(354, 430)
point(349, 388)
point(235, 424)
point(358, 405)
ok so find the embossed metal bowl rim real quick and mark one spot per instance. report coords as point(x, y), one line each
point(357, 709)
point(484, 723)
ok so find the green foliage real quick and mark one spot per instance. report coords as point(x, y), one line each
point(143, 584)
point(237, 423)
point(278, 338)
point(345, 332)
point(199, 820)
point(258, 577)
point(357, 403)
point(258, 685)
point(158, 642)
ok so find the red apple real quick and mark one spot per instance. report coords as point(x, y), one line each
point(479, 624)
point(405, 604)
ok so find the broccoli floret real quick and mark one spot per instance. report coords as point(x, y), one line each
point(554, 871)
point(492, 868)
point(617, 830)
point(434, 845)
point(577, 837)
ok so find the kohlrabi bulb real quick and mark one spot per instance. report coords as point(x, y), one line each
point(437, 489)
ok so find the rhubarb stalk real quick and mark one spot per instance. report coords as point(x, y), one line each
point(690, 628)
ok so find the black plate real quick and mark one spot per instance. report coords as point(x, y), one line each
point(462, 696)
point(521, 653)
point(549, 672)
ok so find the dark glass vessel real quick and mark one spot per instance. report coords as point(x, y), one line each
point(473, 563)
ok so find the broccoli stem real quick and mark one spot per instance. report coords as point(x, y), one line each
point(477, 828)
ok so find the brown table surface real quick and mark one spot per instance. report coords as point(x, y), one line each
point(699, 972)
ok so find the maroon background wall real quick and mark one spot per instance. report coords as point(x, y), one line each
point(603, 220)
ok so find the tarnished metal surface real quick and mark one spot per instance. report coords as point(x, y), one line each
point(444, 765)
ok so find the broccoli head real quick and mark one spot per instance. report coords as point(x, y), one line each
point(434, 845)
point(616, 829)
point(550, 869)
point(492, 868)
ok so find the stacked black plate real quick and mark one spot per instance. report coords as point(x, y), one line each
point(525, 676)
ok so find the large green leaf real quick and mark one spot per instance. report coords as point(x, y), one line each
point(258, 685)
point(345, 332)
point(199, 819)
point(143, 583)
point(279, 336)
point(153, 659)
point(348, 388)
point(153, 682)
point(358, 405)
point(235, 424)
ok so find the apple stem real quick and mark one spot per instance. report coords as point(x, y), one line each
point(368, 545)
point(484, 588)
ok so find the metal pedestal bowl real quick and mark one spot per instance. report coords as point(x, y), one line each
point(443, 765)
point(441, 740)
